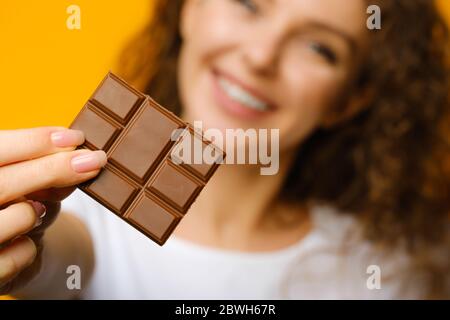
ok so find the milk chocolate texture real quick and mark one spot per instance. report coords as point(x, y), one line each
point(140, 183)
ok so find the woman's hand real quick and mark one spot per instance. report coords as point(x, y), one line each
point(38, 168)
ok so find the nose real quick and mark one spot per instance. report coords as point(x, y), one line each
point(262, 51)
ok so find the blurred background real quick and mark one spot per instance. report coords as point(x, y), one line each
point(49, 71)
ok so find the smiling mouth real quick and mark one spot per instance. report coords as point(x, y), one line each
point(238, 97)
point(242, 96)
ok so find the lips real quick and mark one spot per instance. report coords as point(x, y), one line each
point(240, 95)
point(238, 98)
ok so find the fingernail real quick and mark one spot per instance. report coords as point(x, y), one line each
point(40, 210)
point(67, 138)
point(89, 162)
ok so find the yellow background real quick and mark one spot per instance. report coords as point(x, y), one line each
point(445, 5)
point(48, 71)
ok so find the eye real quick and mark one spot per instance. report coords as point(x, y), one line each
point(326, 52)
point(249, 4)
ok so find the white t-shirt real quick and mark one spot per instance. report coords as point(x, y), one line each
point(130, 266)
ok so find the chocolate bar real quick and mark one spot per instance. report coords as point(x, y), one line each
point(142, 182)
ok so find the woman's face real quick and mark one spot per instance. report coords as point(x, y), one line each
point(282, 64)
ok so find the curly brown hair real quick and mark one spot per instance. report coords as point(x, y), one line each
point(390, 164)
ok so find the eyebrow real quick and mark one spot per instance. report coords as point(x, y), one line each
point(342, 34)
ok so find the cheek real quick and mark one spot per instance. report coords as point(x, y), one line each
point(211, 32)
point(211, 35)
point(309, 94)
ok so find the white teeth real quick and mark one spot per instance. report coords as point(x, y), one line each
point(242, 96)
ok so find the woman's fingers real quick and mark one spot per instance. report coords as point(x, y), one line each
point(25, 277)
point(57, 170)
point(19, 219)
point(52, 211)
point(25, 144)
point(52, 194)
point(14, 258)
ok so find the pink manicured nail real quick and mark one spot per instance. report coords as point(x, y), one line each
point(40, 210)
point(67, 138)
point(89, 161)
